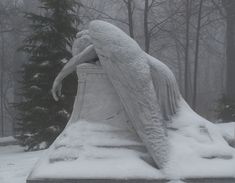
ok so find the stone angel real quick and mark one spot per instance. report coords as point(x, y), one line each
point(146, 87)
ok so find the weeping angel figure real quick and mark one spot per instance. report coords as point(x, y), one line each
point(146, 87)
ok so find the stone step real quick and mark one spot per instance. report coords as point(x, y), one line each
point(193, 180)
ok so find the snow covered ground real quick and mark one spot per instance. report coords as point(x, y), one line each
point(15, 164)
point(7, 139)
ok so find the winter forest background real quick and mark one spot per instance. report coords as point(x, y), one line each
point(195, 38)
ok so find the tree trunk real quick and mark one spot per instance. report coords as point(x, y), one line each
point(196, 55)
point(186, 69)
point(130, 17)
point(146, 31)
point(2, 85)
point(229, 6)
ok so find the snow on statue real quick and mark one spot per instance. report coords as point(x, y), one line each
point(148, 92)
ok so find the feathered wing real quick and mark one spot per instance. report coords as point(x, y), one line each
point(166, 87)
point(128, 70)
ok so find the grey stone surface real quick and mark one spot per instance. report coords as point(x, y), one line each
point(107, 129)
point(97, 103)
point(196, 180)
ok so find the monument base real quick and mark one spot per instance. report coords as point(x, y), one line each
point(99, 145)
point(192, 180)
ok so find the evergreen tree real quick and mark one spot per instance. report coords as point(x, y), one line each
point(226, 109)
point(41, 119)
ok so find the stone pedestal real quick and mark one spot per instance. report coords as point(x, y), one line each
point(196, 180)
point(99, 142)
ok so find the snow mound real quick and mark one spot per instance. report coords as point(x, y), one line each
point(7, 139)
point(15, 163)
point(198, 148)
point(4, 141)
point(228, 131)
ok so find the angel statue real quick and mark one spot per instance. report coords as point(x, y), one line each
point(147, 90)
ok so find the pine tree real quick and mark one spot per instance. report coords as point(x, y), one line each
point(41, 119)
point(226, 109)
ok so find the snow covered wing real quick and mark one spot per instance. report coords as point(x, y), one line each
point(166, 87)
point(128, 70)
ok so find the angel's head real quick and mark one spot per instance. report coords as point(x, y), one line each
point(81, 42)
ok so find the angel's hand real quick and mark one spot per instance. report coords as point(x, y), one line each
point(56, 90)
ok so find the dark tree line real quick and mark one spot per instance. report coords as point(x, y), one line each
point(48, 46)
point(229, 7)
point(227, 103)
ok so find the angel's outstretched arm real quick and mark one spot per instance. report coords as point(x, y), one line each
point(87, 55)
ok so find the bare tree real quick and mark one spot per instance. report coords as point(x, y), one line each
point(146, 31)
point(186, 69)
point(11, 30)
point(2, 84)
point(198, 29)
point(3, 30)
point(130, 9)
point(230, 47)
